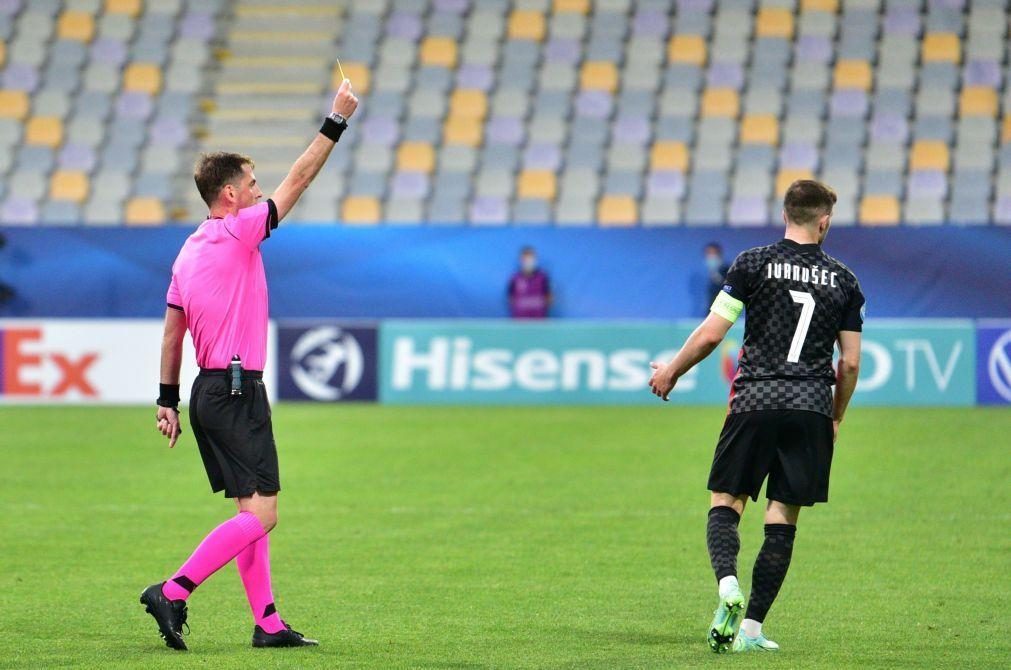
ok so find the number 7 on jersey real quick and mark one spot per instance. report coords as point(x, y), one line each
point(806, 301)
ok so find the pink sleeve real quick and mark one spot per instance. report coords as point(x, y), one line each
point(174, 298)
point(252, 225)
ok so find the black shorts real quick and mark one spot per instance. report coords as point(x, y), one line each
point(792, 447)
point(235, 434)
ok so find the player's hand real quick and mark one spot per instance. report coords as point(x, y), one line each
point(168, 424)
point(835, 431)
point(663, 380)
point(345, 102)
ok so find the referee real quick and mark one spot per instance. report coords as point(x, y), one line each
point(783, 417)
point(218, 292)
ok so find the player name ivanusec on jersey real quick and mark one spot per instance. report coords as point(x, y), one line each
point(807, 275)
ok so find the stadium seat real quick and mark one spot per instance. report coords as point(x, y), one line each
point(131, 8)
point(526, 25)
point(44, 130)
point(774, 22)
point(461, 130)
point(440, 51)
point(69, 185)
point(977, 101)
point(760, 129)
point(145, 211)
point(669, 155)
point(853, 74)
point(941, 47)
point(929, 155)
point(879, 210)
point(143, 77)
point(416, 156)
point(468, 104)
point(537, 184)
point(689, 49)
point(617, 210)
point(360, 209)
point(76, 25)
point(359, 75)
point(720, 102)
point(13, 104)
point(599, 76)
point(571, 6)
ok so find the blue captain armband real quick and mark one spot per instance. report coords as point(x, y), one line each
point(727, 306)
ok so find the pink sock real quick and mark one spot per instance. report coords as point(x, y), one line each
point(254, 568)
point(220, 546)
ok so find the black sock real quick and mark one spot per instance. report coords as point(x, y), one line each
point(723, 541)
point(770, 568)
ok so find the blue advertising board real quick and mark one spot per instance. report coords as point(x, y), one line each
point(993, 365)
point(327, 361)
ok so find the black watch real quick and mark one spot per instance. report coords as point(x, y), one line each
point(338, 119)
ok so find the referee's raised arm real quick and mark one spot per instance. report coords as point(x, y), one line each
point(311, 161)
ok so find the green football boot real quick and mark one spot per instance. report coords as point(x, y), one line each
point(726, 620)
point(760, 643)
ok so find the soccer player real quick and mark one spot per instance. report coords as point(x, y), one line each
point(219, 292)
point(783, 417)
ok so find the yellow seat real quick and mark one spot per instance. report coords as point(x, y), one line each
point(669, 155)
point(978, 101)
point(468, 104)
point(526, 24)
point(359, 75)
point(720, 102)
point(617, 210)
point(929, 155)
point(774, 22)
point(128, 7)
point(69, 185)
point(787, 177)
point(1005, 130)
point(144, 77)
point(851, 73)
point(599, 75)
point(3, 53)
point(572, 6)
point(760, 129)
point(461, 130)
point(687, 49)
point(44, 130)
point(539, 184)
point(13, 104)
point(144, 211)
point(361, 209)
point(943, 47)
point(78, 26)
point(438, 51)
point(879, 210)
point(831, 6)
point(416, 157)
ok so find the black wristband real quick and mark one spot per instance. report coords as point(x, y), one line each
point(168, 395)
point(331, 129)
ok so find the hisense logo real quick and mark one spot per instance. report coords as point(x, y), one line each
point(453, 364)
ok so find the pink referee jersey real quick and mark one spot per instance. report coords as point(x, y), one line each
point(219, 283)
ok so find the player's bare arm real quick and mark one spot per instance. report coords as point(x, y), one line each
point(847, 370)
point(171, 361)
point(311, 161)
point(699, 344)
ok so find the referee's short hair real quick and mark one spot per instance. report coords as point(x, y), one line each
point(808, 200)
point(214, 170)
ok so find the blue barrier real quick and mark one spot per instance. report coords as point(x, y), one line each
point(386, 272)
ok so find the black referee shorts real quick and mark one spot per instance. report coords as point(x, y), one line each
point(235, 434)
point(792, 447)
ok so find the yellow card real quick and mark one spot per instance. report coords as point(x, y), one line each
point(340, 69)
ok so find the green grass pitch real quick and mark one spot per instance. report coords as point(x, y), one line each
point(503, 538)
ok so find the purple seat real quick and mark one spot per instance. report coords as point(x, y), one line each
point(197, 25)
point(562, 51)
point(410, 185)
point(649, 22)
point(20, 77)
point(631, 129)
point(169, 131)
point(889, 127)
point(108, 51)
point(1002, 210)
point(748, 210)
point(848, 102)
point(74, 156)
point(505, 130)
point(594, 104)
point(134, 105)
point(931, 183)
point(902, 21)
point(9, 7)
point(452, 6)
point(725, 75)
point(19, 210)
point(489, 209)
point(815, 48)
point(472, 75)
point(404, 24)
point(665, 183)
point(981, 73)
point(542, 156)
point(380, 130)
point(799, 155)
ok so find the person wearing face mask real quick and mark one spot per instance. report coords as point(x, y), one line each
point(529, 289)
point(716, 270)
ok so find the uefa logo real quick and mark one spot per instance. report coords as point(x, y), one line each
point(998, 365)
point(327, 363)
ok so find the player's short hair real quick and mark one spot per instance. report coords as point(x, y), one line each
point(808, 200)
point(214, 170)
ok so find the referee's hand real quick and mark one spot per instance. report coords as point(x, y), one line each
point(168, 424)
point(662, 382)
point(345, 102)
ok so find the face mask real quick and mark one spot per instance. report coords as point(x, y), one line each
point(528, 263)
point(713, 263)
